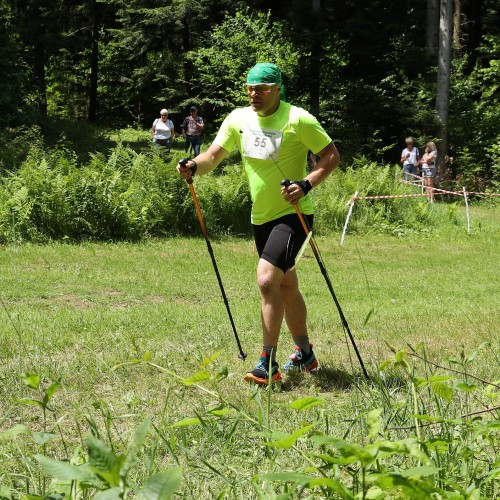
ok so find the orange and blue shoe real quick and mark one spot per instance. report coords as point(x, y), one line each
point(301, 362)
point(260, 374)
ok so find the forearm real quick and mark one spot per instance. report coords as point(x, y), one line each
point(205, 162)
point(328, 162)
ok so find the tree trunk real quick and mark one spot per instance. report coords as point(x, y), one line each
point(457, 28)
point(443, 77)
point(314, 61)
point(432, 27)
point(94, 63)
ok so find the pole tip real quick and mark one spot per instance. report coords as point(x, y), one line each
point(242, 356)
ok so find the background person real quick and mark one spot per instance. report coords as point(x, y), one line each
point(163, 131)
point(428, 163)
point(192, 127)
point(274, 138)
point(409, 159)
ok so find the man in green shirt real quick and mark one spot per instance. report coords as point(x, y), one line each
point(274, 138)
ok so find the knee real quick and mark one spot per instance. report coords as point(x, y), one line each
point(267, 283)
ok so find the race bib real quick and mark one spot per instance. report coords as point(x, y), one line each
point(263, 144)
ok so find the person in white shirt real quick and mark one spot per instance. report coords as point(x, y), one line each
point(409, 159)
point(163, 131)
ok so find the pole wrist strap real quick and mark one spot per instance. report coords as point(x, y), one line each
point(305, 185)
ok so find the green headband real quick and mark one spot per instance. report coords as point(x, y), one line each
point(266, 73)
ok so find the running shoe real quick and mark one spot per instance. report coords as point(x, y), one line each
point(260, 374)
point(300, 361)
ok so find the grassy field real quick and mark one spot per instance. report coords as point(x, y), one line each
point(70, 313)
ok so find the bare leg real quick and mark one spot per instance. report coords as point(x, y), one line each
point(295, 307)
point(269, 279)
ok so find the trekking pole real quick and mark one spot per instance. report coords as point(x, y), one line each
point(241, 354)
point(345, 325)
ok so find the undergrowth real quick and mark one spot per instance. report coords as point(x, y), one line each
point(126, 195)
point(415, 430)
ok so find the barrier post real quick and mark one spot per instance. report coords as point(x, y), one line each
point(352, 200)
point(467, 209)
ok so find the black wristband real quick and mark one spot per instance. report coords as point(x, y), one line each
point(304, 184)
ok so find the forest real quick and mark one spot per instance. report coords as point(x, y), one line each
point(374, 72)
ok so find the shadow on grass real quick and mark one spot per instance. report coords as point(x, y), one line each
point(326, 378)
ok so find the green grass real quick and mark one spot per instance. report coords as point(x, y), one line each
point(73, 312)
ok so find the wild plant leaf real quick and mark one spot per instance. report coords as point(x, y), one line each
point(373, 422)
point(375, 493)
point(14, 431)
point(51, 390)
point(135, 446)
point(288, 440)
point(187, 421)
point(161, 486)
point(126, 363)
point(220, 412)
point(439, 444)
point(30, 401)
point(465, 386)
point(422, 471)
point(492, 474)
point(304, 403)
point(408, 446)
point(331, 484)
point(430, 418)
point(109, 494)
point(5, 493)
point(472, 356)
point(493, 424)
point(368, 316)
point(42, 438)
point(64, 471)
point(491, 390)
point(400, 360)
point(147, 356)
point(32, 380)
point(442, 390)
point(350, 452)
point(197, 377)
point(385, 365)
point(210, 359)
point(411, 488)
point(104, 462)
point(305, 481)
point(420, 382)
point(423, 381)
point(326, 458)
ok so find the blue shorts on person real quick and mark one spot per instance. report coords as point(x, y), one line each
point(428, 172)
point(408, 169)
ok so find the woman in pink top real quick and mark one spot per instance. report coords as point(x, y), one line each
point(428, 163)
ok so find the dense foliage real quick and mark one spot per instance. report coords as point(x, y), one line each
point(362, 66)
point(126, 195)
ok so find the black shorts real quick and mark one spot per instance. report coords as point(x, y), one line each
point(279, 241)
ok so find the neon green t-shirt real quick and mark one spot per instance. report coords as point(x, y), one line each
point(273, 148)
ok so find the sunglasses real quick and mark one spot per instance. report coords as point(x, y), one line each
point(261, 89)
